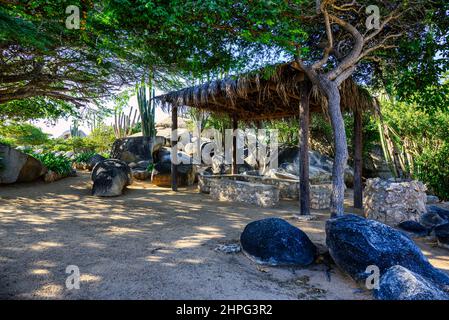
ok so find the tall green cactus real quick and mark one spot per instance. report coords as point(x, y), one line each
point(74, 129)
point(146, 109)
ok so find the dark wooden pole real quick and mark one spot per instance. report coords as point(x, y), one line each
point(174, 142)
point(304, 187)
point(234, 144)
point(358, 147)
point(258, 127)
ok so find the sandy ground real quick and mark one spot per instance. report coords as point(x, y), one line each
point(149, 243)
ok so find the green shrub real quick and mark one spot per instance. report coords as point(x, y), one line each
point(58, 164)
point(83, 157)
point(101, 138)
point(432, 168)
point(7, 141)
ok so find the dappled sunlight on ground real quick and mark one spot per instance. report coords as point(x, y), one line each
point(150, 243)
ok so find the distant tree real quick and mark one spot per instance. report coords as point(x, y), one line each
point(23, 134)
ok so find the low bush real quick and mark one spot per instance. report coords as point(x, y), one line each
point(83, 157)
point(432, 168)
point(56, 163)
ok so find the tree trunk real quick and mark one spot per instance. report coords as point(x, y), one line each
point(174, 149)
point(341, 148)
point(234, 145)
point(358, 148)
point(304, 194)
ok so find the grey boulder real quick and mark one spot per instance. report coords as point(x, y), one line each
point(19, 166)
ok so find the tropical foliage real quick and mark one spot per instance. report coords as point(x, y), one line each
point(56, 163)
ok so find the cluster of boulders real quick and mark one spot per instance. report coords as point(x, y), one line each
point(356, 245)
point(157, 167)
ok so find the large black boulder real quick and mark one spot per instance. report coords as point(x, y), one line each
point(442, 235)
point(110, 177)
point(399, 283)
point(274, 241)
point(356, 243)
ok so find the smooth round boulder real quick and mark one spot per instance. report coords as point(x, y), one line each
point(356, 243)
point(275, 242)
point(110, 177)
point(399, 283)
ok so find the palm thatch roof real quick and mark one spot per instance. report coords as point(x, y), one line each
point(270, 93)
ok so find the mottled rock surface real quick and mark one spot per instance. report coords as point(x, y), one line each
point(356, 243)
point(393, 202)
point(241, 191)
point(399, 283)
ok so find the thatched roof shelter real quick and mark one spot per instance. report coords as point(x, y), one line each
point(269, 93)
point(273, 93)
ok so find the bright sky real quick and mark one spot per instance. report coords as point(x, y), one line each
point(64, 125)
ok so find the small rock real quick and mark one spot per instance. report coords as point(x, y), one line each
point(431, 219)
point(229, 248)
point(399, 283)
point(141, 174)
point(442, 235)
point(443, 213)
point(432, 199)
point(413, 227)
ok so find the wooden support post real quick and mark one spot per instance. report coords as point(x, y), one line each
point(258, 127)
point(304, 187)
point(234, 144)
point(174, 152)
point(358, 147)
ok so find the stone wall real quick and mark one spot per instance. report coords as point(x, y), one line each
point(393, 202)
point(320, 194)
point(240, 191)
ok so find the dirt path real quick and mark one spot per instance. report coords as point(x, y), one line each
point(149, 243)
